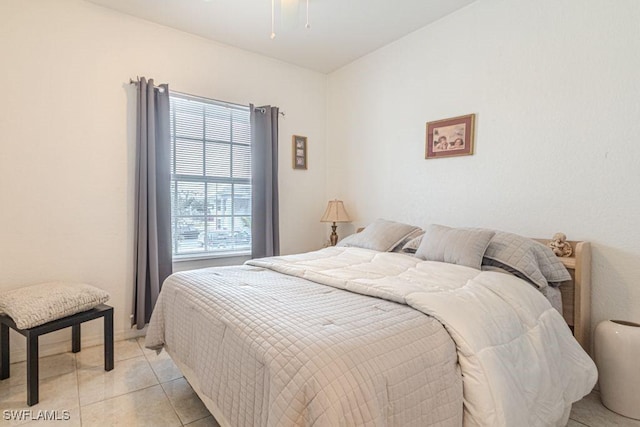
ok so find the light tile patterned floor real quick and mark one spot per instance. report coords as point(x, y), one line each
point(590, 412)
point(146, 389)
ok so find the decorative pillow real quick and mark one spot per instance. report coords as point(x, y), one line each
point(381, 235)
point(38, 304)
point(526, 258)
point(412, 236)
point(454, 245)
point(412, 245)
point(552, 268)
point(527, 270)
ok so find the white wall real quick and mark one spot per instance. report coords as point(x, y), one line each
point(556, 92)
point(67, 139)
point(553, 84)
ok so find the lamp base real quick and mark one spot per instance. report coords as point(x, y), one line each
point(334, 236)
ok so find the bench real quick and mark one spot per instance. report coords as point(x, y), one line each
point(32, 335)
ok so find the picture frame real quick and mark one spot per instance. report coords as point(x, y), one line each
point(299, 150)
point(450, 137)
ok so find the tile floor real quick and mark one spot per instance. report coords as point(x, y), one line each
point(146, 389)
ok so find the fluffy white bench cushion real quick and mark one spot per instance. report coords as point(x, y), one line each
point(38, 304)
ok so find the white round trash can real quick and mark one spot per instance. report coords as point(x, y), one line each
point(617, 351)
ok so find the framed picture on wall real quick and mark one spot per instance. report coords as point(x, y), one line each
point(299, 150)
point(450, 137)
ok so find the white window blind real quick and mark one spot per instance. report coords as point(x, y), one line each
point(210, 177)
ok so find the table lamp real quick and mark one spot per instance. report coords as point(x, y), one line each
point(335, 213)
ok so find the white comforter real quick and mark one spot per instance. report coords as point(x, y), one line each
point(521, 366)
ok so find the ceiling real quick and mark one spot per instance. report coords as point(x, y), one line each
point(341, 30)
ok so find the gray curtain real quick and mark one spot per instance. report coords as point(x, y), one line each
point(265, 233)
point(152, 249)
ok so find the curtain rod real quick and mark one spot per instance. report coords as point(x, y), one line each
point(135, 82)
point(262, 110)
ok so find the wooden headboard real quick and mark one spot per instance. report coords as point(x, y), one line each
point(576, 293)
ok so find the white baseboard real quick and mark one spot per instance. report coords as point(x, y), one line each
point(18, 351)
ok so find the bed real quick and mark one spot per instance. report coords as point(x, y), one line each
point(355, 335)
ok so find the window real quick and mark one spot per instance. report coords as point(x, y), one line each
point(210, 177)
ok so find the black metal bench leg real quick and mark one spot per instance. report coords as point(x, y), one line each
point(108, 340)
point(32, 369)
point(4, 351)
point(75, 338)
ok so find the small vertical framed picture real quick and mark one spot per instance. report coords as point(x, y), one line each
point(299, 150)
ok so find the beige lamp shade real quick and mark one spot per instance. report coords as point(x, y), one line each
point(335, 212)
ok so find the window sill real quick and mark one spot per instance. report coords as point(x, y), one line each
point(198, 257)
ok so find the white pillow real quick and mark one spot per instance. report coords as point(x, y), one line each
point(38, 304)
point(454, 245)
point(381, 235)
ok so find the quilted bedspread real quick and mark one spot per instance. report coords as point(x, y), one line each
point(280, 343)
point(275, 350)
point(520, 364)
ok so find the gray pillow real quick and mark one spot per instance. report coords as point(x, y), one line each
point(527, 270)
point(526, 258)
point(417, 234)
point(381, 235)
point(412, 245)
point(454, 245)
